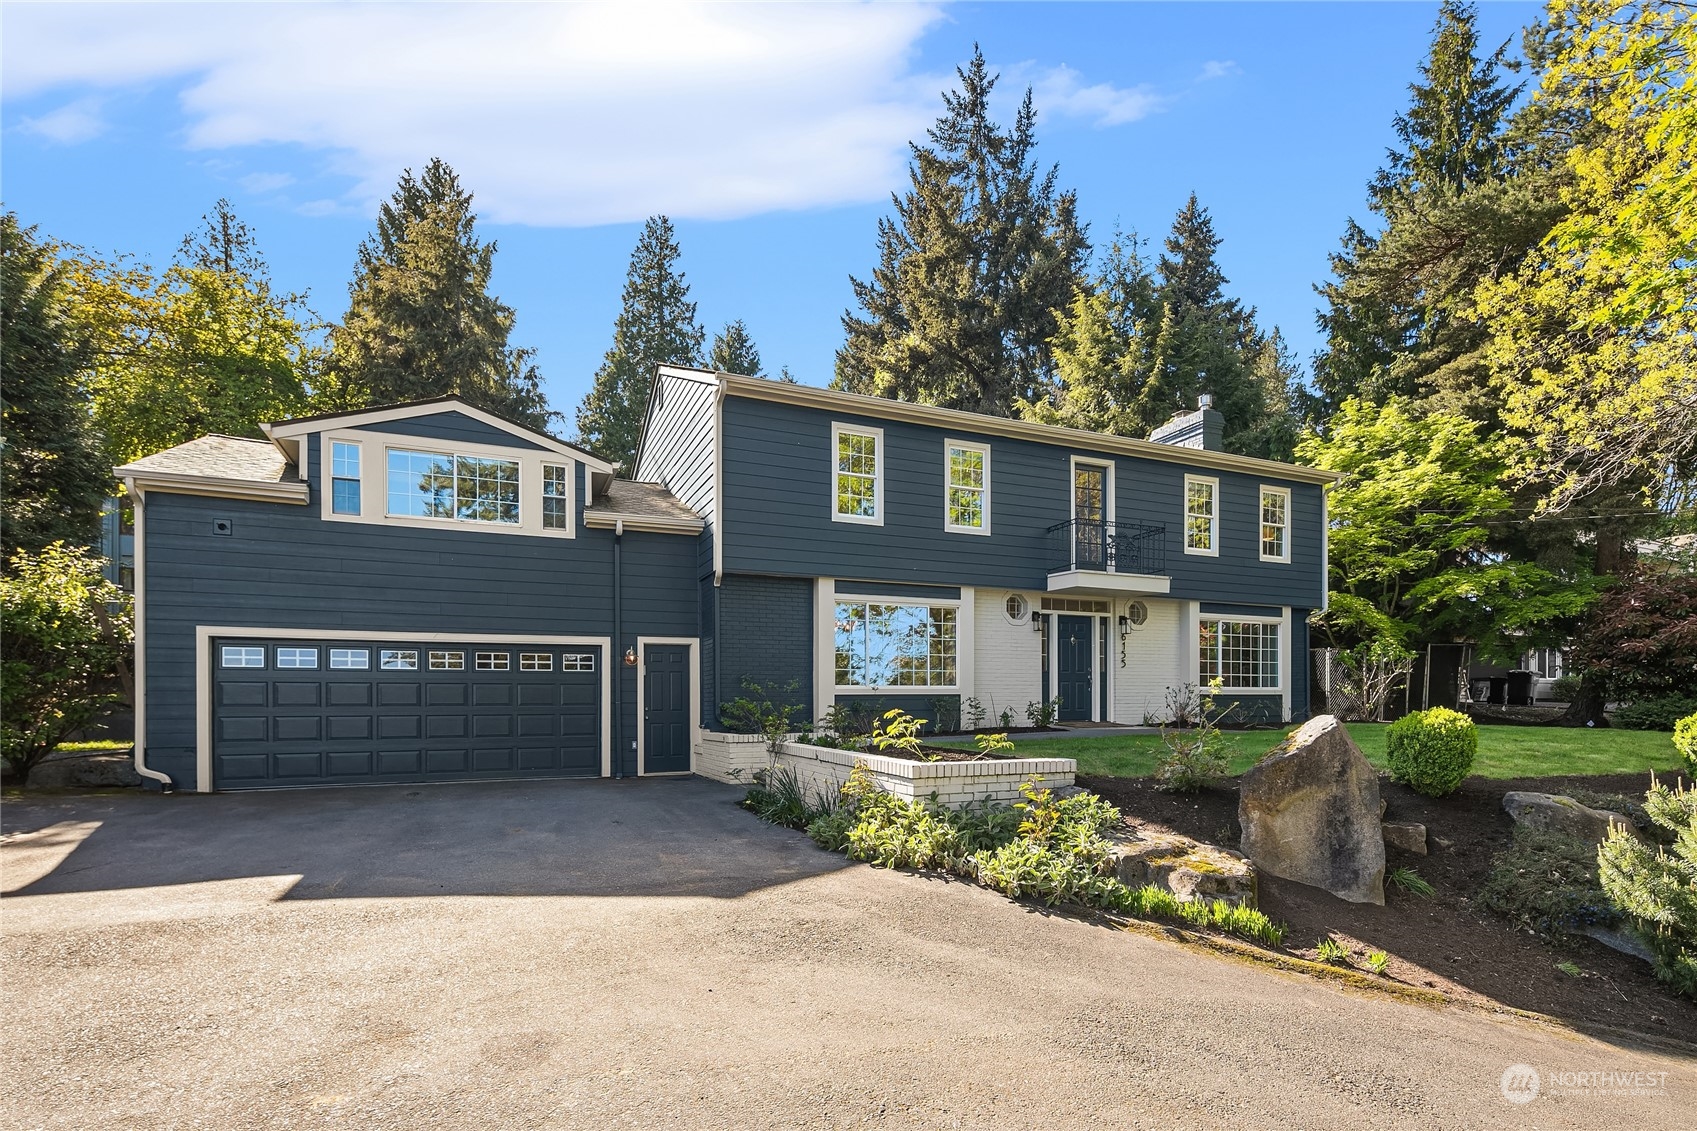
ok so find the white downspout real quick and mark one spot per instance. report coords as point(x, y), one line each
point(139, 668)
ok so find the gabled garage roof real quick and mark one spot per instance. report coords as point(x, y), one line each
point(230, 466)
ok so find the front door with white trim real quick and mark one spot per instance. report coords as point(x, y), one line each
point(666, 725)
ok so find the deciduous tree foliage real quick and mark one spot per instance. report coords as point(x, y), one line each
point(981, 253)
point(656, 326)
point(421, 321)
point(1595, 335)
point(68, 635)
point(206, 347)
point(1640, 639)
point(734, 352)
point(53, 472)
point(1411, 538)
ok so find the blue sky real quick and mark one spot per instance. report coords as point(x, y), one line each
point(772, 134)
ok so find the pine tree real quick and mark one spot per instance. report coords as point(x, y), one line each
point(224, 243)
point(1397, 320)
point(982, 251)
point(734, 352)
point(656, 326)
point(53, 473)
point(421, 322)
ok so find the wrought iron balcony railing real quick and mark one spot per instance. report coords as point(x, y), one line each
point(1107, 548)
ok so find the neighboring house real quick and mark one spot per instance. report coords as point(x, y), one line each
point(427, 592)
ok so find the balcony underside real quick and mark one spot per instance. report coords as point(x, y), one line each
point(1099, 583)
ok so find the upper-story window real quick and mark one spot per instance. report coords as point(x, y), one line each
point(344, 477)
point(556, 501)
point(968, 498)
point(1201, 515)
point(467, 488)
point(1275, 524)
point(859, 474)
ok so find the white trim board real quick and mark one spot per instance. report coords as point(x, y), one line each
point(295, 429)
point(204, 634)
point(694, 645)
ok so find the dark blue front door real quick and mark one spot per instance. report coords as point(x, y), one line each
point(1074, 668)
point(665, 709)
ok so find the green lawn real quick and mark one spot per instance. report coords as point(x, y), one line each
point(1504, 752)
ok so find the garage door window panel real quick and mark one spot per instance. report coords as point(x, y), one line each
point(398, 660)
point(241, 656)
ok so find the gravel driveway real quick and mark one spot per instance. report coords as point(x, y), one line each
point(644, 954)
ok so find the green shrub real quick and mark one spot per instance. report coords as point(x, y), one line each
point(1432, 751)
point(1378, 961)
point(1566, 688)
point(1548, 881)
point(1194, 756)
point(777, 796)
point(1332, 952)
point(1685, 741)
point(1657, 887)
point(1654, 714)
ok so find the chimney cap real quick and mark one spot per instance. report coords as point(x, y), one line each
point(1205, 401)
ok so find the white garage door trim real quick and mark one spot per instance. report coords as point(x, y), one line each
point(204, 634)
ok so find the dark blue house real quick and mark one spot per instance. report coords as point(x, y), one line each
point(428, 592)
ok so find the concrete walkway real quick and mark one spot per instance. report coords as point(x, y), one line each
point(644, 954)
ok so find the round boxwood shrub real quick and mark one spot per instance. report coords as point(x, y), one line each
point(1432, 751)
point(1685, 741)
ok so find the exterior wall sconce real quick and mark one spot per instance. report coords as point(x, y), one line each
point(1036, 622)
point(630, 657)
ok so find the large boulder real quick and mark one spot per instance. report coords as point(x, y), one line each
point(1550, 812)
point(1310, 813)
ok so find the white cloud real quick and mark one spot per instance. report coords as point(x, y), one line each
point(553, 114)
point(70, 124)
point(266, 182)
point(1061, 90)
point(1218, 69)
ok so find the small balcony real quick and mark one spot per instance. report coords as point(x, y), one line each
point(1107, 559)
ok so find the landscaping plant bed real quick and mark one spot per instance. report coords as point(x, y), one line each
point(1447, 942)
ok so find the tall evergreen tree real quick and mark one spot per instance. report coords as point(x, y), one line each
point(734, 352)
point(53, 472)
point(421, 322)
point(656, 326)
point(1396, 317)
point(983, 249)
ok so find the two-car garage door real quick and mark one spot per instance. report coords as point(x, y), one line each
point(330, 712)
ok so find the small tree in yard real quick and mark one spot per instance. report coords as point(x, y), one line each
point(1657, 887)
point(1196, 756)
point(1371, 670)
point(67, 638)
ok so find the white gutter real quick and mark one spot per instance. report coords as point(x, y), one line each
point(139, 667)
point(178, 483)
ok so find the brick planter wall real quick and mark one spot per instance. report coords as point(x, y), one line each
point(718, 754)
point(823, 771)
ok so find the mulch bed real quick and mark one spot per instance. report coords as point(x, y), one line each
point(1447, 942)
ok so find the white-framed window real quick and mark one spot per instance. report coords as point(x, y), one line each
point(494, 661)
point(1275, 524)
point(350, 659)
point(447, 661)
point(966, 499)
point(1242, 655)
point(536, 661)
point(882, 644)
point(1201, 515)
point(577, 662)
point(344, 477)
point(1016, 608)
point(398, 660)
point(458, 488)
point(857, 474)
point(241, 656)
point(297, 657)
point(556, 496)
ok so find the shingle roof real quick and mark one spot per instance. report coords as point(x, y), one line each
point(648, 500)
point(221, 457)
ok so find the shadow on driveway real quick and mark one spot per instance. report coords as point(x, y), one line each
point(640, 837)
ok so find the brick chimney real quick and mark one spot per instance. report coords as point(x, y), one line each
point(1203, 428)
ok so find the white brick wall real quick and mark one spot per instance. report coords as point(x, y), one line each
point(823, 771)
point(1009, 667)
point(1153, 661)
point(718, 755)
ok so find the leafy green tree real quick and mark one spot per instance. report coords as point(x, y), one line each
point(734, 352)
point(981, 253)
point(656, 326)
point(1657, 886)
point(207, 346)
point(421, 321)
point(1595, 335)
point(68, 634)
point(1411, 539)
point(53, 472)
